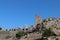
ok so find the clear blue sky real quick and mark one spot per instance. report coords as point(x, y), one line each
point(17, 13)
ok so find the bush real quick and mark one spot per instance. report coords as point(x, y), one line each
point(48, 33)
point(19, 34)
point(0, 28)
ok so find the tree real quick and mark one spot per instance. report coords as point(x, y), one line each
point(19, 34)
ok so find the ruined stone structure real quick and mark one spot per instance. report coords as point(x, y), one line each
point(38, 19)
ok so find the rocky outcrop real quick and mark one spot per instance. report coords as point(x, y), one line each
point(53, 23)
point(32, 36)
point(54, 38)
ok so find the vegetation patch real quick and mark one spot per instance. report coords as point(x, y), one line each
point(19, 34)
point(48, 33)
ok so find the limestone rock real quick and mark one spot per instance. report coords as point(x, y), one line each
point(53, 23)
point(32, 36)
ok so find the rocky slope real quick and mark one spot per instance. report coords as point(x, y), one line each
point(53, 23)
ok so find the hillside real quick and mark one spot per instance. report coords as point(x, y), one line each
point(47, 29)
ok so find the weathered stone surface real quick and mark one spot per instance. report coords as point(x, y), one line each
point(32, 36)
point(54, 38)
point(54, 24)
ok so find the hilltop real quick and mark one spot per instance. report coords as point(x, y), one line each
point(47, 29)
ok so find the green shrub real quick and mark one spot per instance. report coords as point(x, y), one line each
point(48, 33)
point(0, 28)
point(19, 34)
